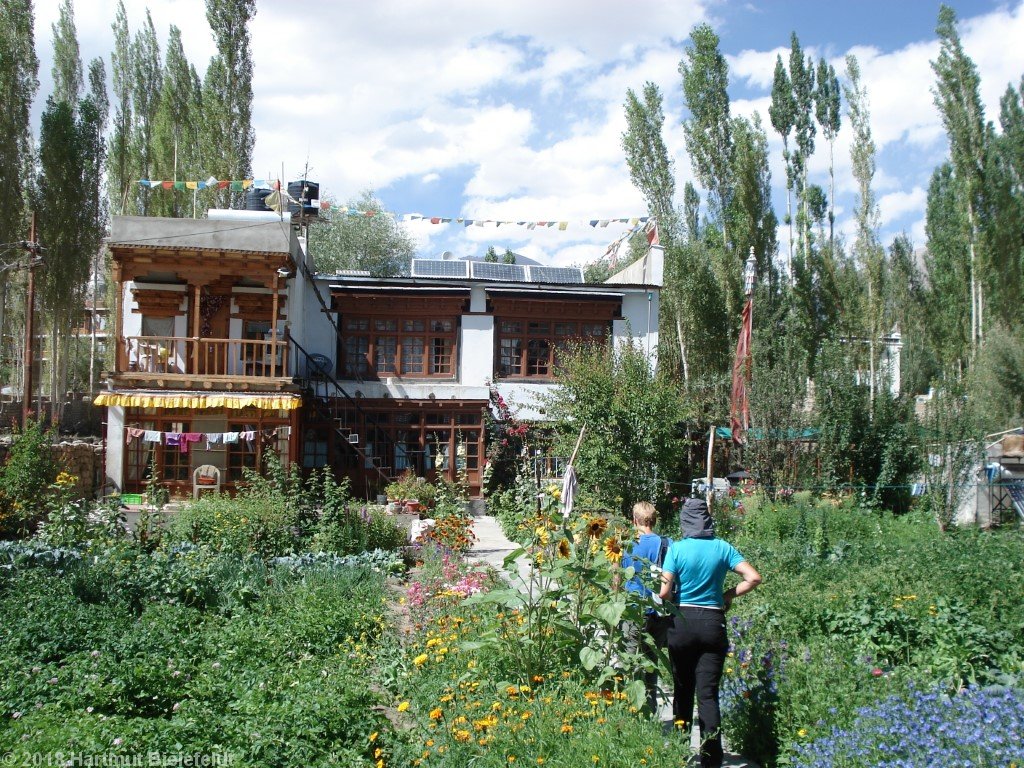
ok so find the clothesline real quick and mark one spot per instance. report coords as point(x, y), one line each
point(182, 440)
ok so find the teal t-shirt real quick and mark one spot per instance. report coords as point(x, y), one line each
point(699, 567)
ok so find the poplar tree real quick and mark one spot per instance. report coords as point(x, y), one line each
point(827, 108)
point(751, 215)
point(67, 62)
point(18, 69)
point(227, 96)
point(120, 181)
point(651, 172)
point(867, 250)
point(782, 114)
point(801, 75)
point(708, 131)
point(959, 104)
point(146, 79)
point(175, 130)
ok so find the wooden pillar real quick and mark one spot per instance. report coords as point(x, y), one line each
point(196, 326)
point(273, 329)
point(120, 358)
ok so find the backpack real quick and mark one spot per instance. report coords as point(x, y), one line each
point(666, 542)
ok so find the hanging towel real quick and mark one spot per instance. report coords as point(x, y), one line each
point(248, 435)
point(230, 437)
point(152, 436)
point(133, 432)
point(174, 438)
point(213, 439)
point(189, 437)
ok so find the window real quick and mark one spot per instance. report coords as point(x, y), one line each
point(408, 346)
point(256, 330)
point(530, 348)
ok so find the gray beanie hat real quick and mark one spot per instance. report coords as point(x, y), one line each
point(695, 520)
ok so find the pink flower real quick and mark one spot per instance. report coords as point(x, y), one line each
point(876, 672)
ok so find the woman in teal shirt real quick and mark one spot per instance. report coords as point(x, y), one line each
point(693, 578)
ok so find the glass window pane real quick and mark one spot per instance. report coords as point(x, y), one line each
point(442, 356)
point(565, 329)
point(411, 326)
point(386, 353)
point(412, 354)
point(539, 328)
point(511, 326)
point(538, 357)
point(510, 360)
point(441, 326)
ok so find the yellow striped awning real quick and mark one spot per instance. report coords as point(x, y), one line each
point(230, 400)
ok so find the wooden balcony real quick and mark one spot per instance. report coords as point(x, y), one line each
point(192, 363)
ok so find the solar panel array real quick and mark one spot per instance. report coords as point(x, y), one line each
point(556, 275)
point(496, 272)
point(439, 268)
point(505, 273)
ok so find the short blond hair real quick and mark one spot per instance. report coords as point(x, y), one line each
point(645, 514)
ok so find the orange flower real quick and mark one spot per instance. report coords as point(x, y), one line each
point(613, 550)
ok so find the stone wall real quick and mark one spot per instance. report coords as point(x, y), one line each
point(81, 458)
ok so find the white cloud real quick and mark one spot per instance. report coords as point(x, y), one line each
point(896, 205)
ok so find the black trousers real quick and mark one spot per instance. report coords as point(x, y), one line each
point(697, 644)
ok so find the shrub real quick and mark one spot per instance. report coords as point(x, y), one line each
point(246, 524)
point(25, 479)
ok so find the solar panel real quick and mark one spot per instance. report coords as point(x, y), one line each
point(506, 273)
point(439, 268)
point(556, 275)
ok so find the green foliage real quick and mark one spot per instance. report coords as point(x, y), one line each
point(376, 243)
point(408, 487)
point(122, 658)
point(631, 417)
point(25, 478)
point(996, 382)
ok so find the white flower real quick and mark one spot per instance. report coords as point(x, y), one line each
point(118, 741)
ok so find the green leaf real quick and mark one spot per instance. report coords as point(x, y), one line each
point(611, 612)
point(510, 559)
point(591, 658)
point(636, 693)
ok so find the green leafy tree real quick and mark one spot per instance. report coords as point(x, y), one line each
point(631, 415)
point(146, 78)
point(905, 309)
point(949, 274)
point(782, 114)
point(751, 215)
point(827, 108)
point(376, 243)
point(801, 75)
point(175, 130)
point(67, 63)
point(491, 257)
point(228, 135)
point(508, 257)
point(996, 382)
point(120, 186)
point(867, 250)
point(959, 103)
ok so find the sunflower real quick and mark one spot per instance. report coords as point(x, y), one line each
point(596, 526)
point(563, 548)
point(613, 549)
point(542, 535)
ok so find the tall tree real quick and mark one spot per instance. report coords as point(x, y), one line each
point(867, 249)
point(99, 101)
point(782, 114)
point(175, 130)
point(146, 78)
point(651, 172)
point(949, 274)
point(708, 131)
point(119, 173)
point(801, 75)
point(751, 216)
point(227, 95)
point(959, 103)
point(67, 62)
point(827, 107)
point(18, 69)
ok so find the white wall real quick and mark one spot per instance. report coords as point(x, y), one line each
point(640, 310)
point(115, 446)
point(476, 350)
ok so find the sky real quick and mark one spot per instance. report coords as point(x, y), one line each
point(514, 111)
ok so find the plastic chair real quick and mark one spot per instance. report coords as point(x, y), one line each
point(205, 477)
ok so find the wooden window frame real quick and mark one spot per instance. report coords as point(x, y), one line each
point(394, 335)
point(554, 333)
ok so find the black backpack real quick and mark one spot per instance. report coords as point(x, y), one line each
point(666, 542)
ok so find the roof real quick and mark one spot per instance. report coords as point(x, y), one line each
point(201, 234)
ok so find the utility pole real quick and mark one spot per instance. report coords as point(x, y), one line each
point(30, 298)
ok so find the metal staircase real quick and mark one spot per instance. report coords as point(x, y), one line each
point(345, 416)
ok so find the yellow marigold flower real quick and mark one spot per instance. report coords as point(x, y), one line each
point(446, 698)
point(380, 763)
point(436, 713)
point(373, 736)
point(566, 728)
point(526, 715)
point(420, 660)
point(511, 758)
point(429, 742)
point(461, 735)
point(377, 753)
point(802, 732)
point(512, 691)
point(433, 641)
point(403, 707)
point(613, 549)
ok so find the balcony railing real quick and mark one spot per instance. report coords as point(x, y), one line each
point(182, 356)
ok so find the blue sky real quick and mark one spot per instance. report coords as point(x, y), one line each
point(513, 111)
